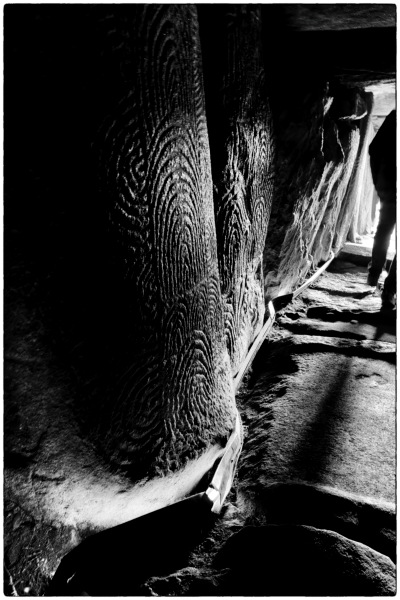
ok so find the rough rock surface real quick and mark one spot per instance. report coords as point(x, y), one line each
point(323, 185)
point(384, 102)
point(341, 329)
point(349, 518)
point(330, 419)
point(159, 554)
point(313, 199)
point(117, 365)
point(365, 213)
point(117, 373)
point(344, 288)
point(190, 581)
point(242, 156)
point(360, 254)
point(324, 507)
point(337, 201)
point(335, 38)
point(323, 189)
point(334, 16)
point(297, 560)
point(321, 409)
point(358, 198)
point(355, 454)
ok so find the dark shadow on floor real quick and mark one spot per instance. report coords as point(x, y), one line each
point(314, 450)
point(116, 562)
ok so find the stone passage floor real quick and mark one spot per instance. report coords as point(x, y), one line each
point(321, 405)
point(316, 478)
point(312, 511)
point(331, 421)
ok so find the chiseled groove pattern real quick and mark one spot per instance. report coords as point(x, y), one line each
point(191, 373)
point(181, 255)
point(173, 395)
point(299, 181)
point(244, 187)
point(235, 234)
point(324, 238)
point(307, 215)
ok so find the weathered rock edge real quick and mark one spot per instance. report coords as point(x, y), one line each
point(324, 507)
point(302, 560)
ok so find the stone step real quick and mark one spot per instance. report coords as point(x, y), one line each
point(361, 254)
point(385, 332)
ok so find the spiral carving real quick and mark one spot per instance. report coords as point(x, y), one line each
point(242, 155)
point(174, 392)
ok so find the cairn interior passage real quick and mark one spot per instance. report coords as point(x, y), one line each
point(169, 171)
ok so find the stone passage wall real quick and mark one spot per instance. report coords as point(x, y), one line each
point(364, 213)
point(355, 194)
point(242, 149)
point(321, 150)
point(138, 253)
point(320, 126)
point(117, 368)
point(172, 391)
point(142, 318)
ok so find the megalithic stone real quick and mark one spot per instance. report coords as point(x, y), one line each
point(242, 156)
point(119, 388)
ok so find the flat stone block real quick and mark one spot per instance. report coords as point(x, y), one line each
point(328, 418)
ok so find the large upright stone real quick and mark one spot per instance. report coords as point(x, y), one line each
point(242, 154)
point(118, 387)
point(318, 139)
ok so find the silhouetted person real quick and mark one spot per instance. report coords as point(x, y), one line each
point(382, 152)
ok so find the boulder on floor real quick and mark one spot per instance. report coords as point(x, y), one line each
point(288, 560)
point(327, 508)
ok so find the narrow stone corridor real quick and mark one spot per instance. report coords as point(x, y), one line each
point(318, 410)
point(328, 391)
point(199, 384)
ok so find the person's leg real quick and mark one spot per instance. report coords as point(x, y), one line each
point(387, 221)
point(389, 287)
